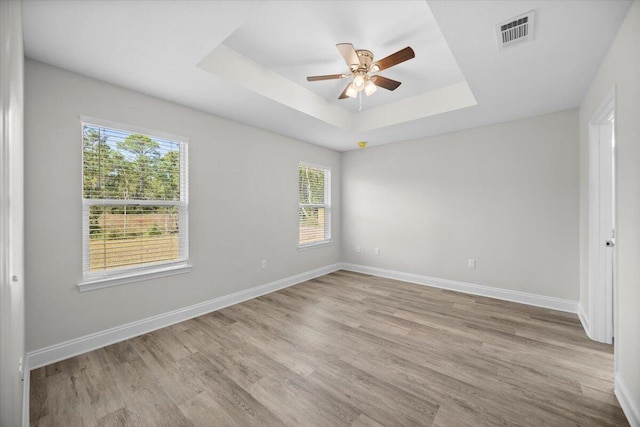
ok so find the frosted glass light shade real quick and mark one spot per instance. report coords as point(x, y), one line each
point(358, 81)
point(351, 91)
point(369, 87)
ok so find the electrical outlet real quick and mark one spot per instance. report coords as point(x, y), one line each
point(264, 263)
point(376, 251)
point(471, 263)
point(358, 249)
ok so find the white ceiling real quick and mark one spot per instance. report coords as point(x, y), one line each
point(190, 52)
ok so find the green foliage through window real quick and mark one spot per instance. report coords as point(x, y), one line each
point(314, 204)
point(132, 190)
point(122, 165)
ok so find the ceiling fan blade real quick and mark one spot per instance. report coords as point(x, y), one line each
point(327, 77)
point(343, 95)
point(349, 54)
point(386, 83)
point(395, 58)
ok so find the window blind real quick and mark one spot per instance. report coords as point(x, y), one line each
point(135, 201)
point(314, 204)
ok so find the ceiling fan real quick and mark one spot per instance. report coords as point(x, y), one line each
point(361, 64)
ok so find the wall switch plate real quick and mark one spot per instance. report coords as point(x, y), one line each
point(358, 249)
point(472, 263)
point(376, 251)
point(264, 263)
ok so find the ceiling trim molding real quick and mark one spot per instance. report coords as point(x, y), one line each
point(236, 68)
point(230, 65)
point(450, 98)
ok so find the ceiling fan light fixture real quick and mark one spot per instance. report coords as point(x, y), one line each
point(358, 81)
point(369, 88)
point(351, 91)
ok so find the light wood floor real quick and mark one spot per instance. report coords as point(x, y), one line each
point(345, 349)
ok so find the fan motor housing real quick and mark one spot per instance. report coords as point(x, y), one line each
point(366, 58)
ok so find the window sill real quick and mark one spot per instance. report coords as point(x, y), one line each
point(106, 282)
point(315, 245)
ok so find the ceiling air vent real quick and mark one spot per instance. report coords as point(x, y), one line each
point(516, 30)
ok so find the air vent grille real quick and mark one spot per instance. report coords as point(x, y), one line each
point(515, 30)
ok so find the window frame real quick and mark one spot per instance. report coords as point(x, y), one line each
point(327, 206)
point(101, 279)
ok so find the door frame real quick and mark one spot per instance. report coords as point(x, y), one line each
point(602, 301)
point(12, 354)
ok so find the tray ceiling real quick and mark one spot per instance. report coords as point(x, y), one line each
point(248, 60)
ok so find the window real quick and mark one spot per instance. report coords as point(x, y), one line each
point(314, 204)
point(134, 204)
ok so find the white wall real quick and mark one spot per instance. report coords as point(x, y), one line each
point(235, 171)
point(505, 195)
point(12, 282)
point(621, 67)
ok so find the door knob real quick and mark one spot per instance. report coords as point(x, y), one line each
point(610, 243)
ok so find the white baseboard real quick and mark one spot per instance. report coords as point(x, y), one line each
point(74, 347)
point(584, 319)
point(629, 404)
point(469, 288)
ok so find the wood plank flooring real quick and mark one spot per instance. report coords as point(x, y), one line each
point(344, 349)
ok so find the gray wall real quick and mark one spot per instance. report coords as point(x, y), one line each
point(235, 170)
point(621, 67)
point(505, 195)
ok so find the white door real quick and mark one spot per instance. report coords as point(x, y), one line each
point(11, 215)
point(607, 223)
point(602, 232)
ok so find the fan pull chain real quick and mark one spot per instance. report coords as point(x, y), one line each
point(360, 98)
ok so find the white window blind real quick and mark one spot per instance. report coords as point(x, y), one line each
point(135, 202)
point(314, 204)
